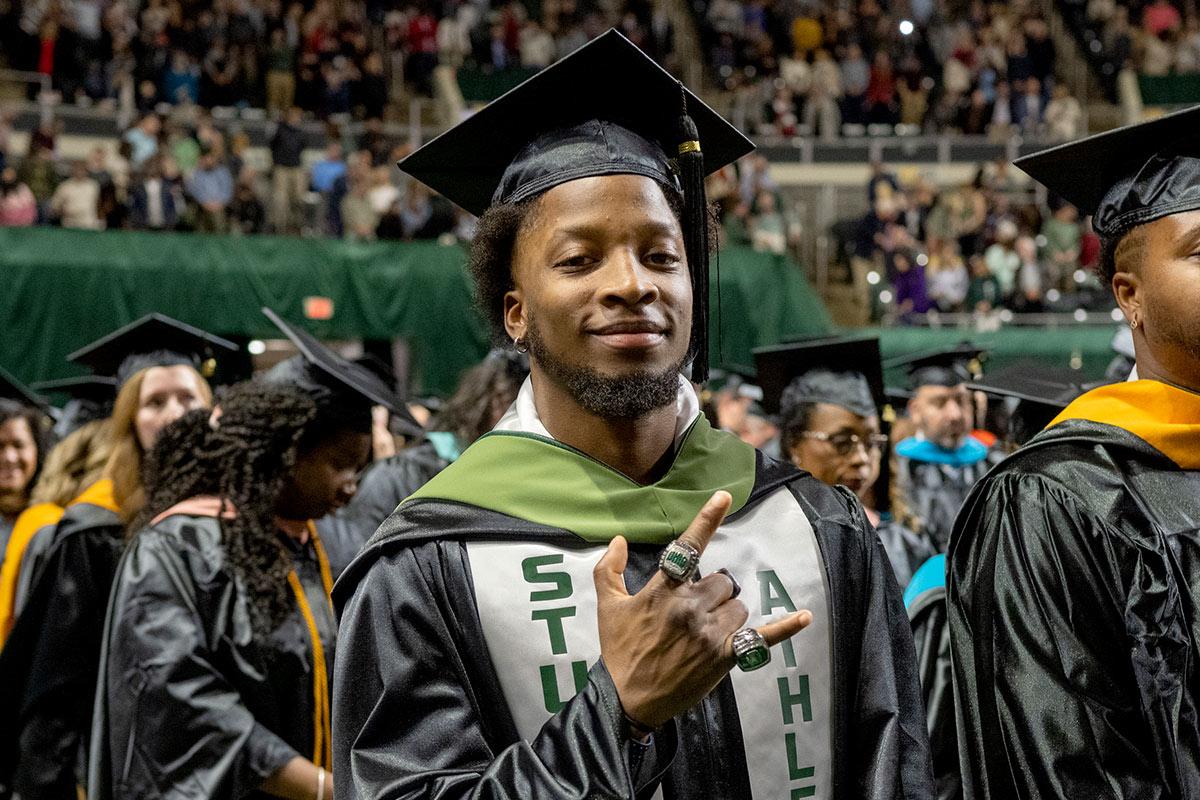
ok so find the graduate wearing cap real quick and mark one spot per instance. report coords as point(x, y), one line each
point(938, 465)
point(557, 613)
point(48, 664)
point(826, 396)
point(220, 635)
point(1074, 569)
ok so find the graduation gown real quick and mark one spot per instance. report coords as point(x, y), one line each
point(906, 549)
point(48, 664)
point(24, 548)
point(189, 702)
point(931, 482)
point(469, 661)
point(1073, 578)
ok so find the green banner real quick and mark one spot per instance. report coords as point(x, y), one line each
point(64, 288)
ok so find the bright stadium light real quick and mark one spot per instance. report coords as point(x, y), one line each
point(922, 259)
point(872, 277)
point(1080, 315)
point(1053, 295)
point(1080, 276)
point(885, 297)
point(1006, 315)
point(906, 27)
point(256, 347)
point(1117, 315)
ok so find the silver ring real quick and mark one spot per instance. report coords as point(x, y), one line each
point(679, 561)
point(750, 649)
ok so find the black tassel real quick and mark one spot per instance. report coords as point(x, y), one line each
point(695, 232)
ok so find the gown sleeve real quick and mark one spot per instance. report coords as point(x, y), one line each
point(48, 667)
point(176, 726)
point(1045, 670)
point(407, 724)
point(888, 733)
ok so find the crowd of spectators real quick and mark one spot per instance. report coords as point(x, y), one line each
point(350, 57)
point(815, 66)
point(982, 247)
point(168, 174)
point(164, 175)
point(1155, 38)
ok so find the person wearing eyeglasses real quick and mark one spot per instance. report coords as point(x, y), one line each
point(830, 426)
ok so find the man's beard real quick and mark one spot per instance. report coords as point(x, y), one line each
point(626, 397)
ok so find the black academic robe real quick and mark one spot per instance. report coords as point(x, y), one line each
point(932, 493)
point(189, 702)
point(1073, 577)
point(419, 710)
point(905, 548)
point(48, 664)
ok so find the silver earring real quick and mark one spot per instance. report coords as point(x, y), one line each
point(1133, 323)
point(519, 345)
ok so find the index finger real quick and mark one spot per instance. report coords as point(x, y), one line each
point(707, 520)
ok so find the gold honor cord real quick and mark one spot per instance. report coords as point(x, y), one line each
point(322, 744)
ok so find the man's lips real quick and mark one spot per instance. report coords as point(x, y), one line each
point(631, 335)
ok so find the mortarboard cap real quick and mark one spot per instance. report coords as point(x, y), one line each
point(90, 398)
point(950, 366)
point(1034, 393)
point(12, 389)
point(97, 389)
point(155, 340)
point(1128, 176)
point(843, 372)
point(318, 367)
point(606, 109)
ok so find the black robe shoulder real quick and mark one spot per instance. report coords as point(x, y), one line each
point(419, 710)
point(48, 664)
point(190, 702)
point(1073, 575)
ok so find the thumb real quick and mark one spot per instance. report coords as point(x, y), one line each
point(609, 574)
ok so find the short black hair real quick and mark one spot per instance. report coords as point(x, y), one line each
point(1119, 247)
point(491, 255)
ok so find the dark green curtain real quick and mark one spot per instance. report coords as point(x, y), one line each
point(60, 289)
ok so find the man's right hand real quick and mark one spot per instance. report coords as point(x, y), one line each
point(669, 645)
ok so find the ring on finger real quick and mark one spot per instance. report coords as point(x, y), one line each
point(750, 649)
point(679, 561)
point(737, 587)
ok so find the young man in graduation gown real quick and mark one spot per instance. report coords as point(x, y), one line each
point(533, 622)
point(937, 466)
point(1074, 569)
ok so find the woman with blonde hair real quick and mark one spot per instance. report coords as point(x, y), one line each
point(49, 663)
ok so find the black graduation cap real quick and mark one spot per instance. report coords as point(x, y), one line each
point(87, 388)
point(606, 109)
point(13, 389)
point(326, 368)
point(155, 340)
point(1034, 393)
point(1128, 176)
point(943, 367)
point(90, 397)
point(842, 371)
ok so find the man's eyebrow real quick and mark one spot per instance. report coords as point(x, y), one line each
point(1189, 239)
point(593, 231)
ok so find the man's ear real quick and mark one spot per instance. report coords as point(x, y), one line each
point(1127, 288)
point(514, 314)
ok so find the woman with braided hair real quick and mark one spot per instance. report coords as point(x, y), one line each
point(220, 635)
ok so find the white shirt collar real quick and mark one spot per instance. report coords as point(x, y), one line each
point(522, 415)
